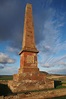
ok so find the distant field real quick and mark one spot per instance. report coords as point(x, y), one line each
point(57, 77)
point(6, 77)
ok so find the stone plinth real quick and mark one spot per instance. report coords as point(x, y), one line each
point(29, 77)
point(29, 82)
point(30, 85)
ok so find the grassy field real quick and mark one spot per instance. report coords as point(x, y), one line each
point(6, 77)
point(57, 77)
point(59, 82)
point(63, 97)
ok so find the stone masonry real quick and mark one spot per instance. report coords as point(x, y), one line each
point(29, 76)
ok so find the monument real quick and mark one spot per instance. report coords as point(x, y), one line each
point(29, 77)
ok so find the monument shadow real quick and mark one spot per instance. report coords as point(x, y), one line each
point(4, 90)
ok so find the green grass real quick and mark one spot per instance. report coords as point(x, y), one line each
point(60, 86)
point(6, 77)
point(62, 97)
point(63, 82)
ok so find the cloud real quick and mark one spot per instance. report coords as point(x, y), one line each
point(59, 59)
point(12, 19)
point(51, 45)
point(5, 59)
point(46, 65)
point(58, 71)
point(10, 22)
point(12, 50)
point(1, 67)
point(8, 70)
point(52, 62)
point(62, 63)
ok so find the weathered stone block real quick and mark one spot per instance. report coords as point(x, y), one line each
point(28, 85)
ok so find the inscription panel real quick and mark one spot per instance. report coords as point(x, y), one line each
point(30, 59)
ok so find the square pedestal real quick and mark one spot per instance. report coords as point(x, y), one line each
point(30, 82)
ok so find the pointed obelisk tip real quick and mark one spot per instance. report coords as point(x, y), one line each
point(28, 34)
point(28, 5)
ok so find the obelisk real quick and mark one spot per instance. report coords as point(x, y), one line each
point(28, 54)
point(28, 43)
point(29, 77)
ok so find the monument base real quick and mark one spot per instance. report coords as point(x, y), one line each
point(24, 82)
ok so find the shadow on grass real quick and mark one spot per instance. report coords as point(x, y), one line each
point(4, 90)
point(62, 97)
point(57, 83)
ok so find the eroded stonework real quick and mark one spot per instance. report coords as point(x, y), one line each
point(29, 76)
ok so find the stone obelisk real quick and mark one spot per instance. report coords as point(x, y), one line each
point(29, 77)
point(28, 54)
point(28, 43)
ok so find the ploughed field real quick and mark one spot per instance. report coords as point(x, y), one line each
point(5, 92)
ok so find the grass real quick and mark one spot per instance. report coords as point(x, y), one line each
point(6, 77)
point(58, 87)
point(62, 97)
point(59, 84)
point(63, 82)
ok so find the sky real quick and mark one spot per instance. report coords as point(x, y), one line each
point(50, 34)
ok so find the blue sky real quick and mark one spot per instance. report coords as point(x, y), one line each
point(50, 34)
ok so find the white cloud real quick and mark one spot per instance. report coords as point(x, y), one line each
point(51, 46)
point(1, 67)
point(58, 71)
point(46, 65)
point(62, 63)
point(5, 59)
point(51, 61)
point(12, 49)
point(8, 70)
